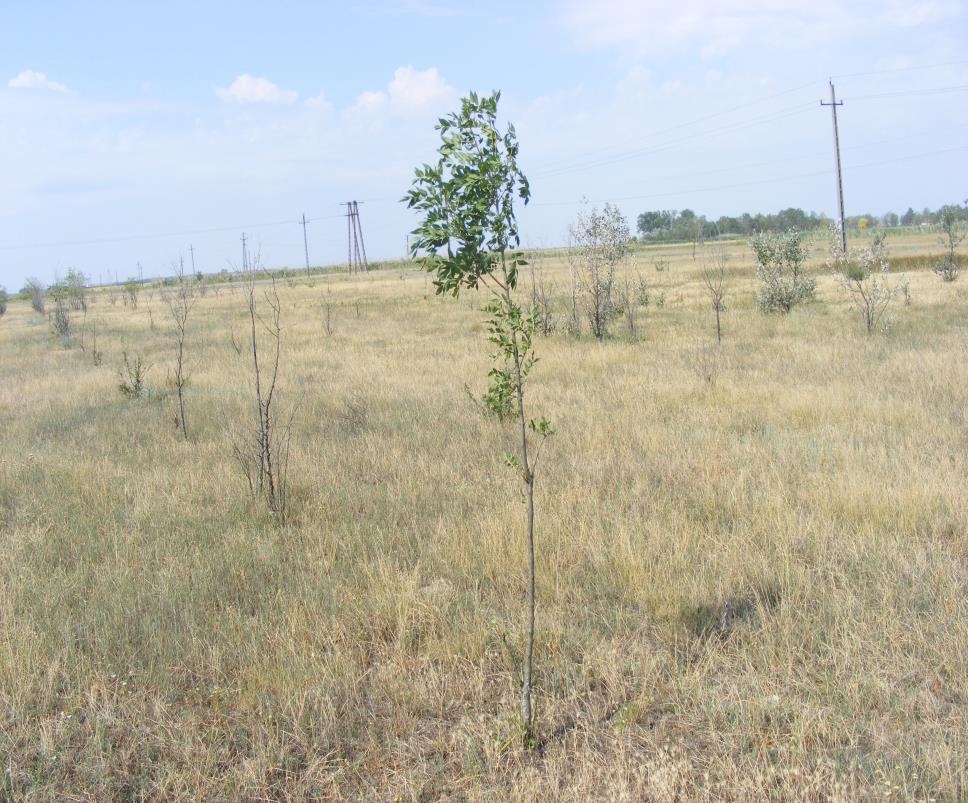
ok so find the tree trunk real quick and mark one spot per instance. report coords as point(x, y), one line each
point(527, 715)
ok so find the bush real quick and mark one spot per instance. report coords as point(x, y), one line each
point(3, 300)
point(60, 322)
point(132, 384)
point(34, 290)
point(864, 274)
point(779, 268)
point(600, 242)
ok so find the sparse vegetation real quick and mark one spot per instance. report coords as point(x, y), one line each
point(3, 300)
point(748, 588)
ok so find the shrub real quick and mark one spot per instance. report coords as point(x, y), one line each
point(34, 290)
point(3, 300)
point(779, 269)
point(131, 290)
point(132, 385)
point(864, 275)
point(60, 322)
point(600, 241)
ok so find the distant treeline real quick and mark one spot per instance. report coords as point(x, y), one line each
point(665, 225)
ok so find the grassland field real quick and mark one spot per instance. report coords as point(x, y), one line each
point(752, 559)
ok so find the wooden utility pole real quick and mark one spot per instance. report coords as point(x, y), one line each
point(305, 241)
point(833, 104)
point(191, 250)
point(245, 255)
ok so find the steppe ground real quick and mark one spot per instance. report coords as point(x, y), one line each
point(752, 560)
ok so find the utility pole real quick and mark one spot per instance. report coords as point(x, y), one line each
point(833, 104)
point(141, 274)
point(355, 249)
point(191, 250)
point(305, 241)
point(245, 256)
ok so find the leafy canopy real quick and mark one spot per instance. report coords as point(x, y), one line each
point(467, 200)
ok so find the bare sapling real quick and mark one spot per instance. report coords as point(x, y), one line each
point(714, 280)
point(96, 356)
point(629, 298)
point(180, 304)
point(574, 316)
point(541, 299)
point(262, 451)
point(468, 238)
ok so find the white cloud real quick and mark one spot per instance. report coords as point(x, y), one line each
point(410, 92)
point(722, 25)
point(413, 91)
point(320, 102)
point(251, 89)
point(31, 79)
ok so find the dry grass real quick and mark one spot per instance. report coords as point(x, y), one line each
point(749, 588)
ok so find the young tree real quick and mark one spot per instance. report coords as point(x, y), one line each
point(263, 452)
point(949, 266)
point(600, 241)
point(179, 306)
point(779, 267)
point(864, 274)
point(714, 278)
point(131, 289)
point(467, 238)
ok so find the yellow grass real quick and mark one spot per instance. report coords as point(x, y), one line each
point(162, 636)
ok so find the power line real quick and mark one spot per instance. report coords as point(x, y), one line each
point(800, 156)
point(678, 126)
point(672, 144)
point(941, 90)
point(758, 181)
point(901, 69)
point(162, 235)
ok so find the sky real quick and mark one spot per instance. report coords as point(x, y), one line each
point(131, 132)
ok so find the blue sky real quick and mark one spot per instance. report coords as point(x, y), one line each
point(129, 131)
